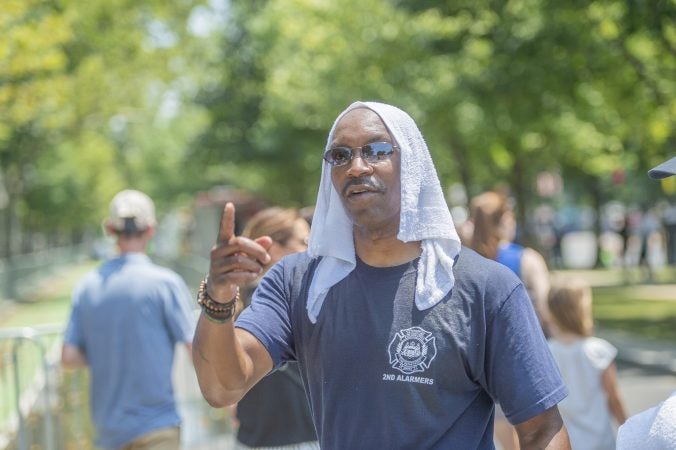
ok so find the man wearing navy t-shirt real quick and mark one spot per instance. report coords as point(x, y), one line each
point(404, 338)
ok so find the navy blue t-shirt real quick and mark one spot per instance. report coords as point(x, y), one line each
point(381, 374)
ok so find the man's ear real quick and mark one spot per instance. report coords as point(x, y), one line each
point(108, 228)
point(150, 231)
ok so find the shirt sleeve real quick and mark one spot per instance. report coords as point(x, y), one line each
point(268, 317)
point(521, 373)
point(178, 310)
point(73, 334)
point(600, 352)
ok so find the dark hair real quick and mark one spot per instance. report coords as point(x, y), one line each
point(130, 228)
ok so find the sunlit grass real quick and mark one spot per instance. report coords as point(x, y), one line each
point(54, 310)
point(618, 308)
point(49, 304)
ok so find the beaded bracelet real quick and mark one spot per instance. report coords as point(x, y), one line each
point(215, 311)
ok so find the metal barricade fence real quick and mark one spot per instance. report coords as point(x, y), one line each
point(27, 387)
point(43, 407)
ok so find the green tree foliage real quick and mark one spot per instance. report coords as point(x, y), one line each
point(89, 99)
point(175, 97)
point(501, 90)
point(33, 96)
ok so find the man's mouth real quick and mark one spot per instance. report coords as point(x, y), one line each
point(356, 191)
point(357, 187)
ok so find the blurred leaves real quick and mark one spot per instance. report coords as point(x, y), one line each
point(82, 86)
point(175, 97)
point(501, 91)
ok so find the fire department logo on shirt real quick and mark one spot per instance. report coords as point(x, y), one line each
point(412, 350)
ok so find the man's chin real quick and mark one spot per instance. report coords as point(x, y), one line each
point(372, 218)
point(361, 200)
point(359, 207)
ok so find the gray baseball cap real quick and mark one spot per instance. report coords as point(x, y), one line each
point(664, 170)
point(131, 211)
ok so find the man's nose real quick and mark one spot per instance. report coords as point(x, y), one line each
point(358, 166)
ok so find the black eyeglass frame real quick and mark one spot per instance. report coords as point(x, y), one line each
point(371, 157)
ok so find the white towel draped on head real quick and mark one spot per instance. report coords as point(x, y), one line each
point(424, 217)
point(652, 429)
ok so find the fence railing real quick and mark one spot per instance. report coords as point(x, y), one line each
point(44, 407)
point(26, 387)
point(18, 272)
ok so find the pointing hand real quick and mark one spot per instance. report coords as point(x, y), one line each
point(234, 260)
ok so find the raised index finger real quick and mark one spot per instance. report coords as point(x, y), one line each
point(227, 229)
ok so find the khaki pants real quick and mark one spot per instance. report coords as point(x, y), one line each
point(162, 439)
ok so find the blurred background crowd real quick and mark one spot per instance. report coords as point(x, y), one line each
point(564, 105)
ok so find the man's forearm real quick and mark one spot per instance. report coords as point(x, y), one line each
point(559, 441)
point(545, 431)
point(220, 362)
point(72, 357)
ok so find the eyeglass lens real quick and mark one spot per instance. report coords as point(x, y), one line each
point(374, 152)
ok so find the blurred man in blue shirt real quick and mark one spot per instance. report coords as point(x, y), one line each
point(127, 317)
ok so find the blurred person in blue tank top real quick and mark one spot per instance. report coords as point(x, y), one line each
point(493, 233)
point(127, 317)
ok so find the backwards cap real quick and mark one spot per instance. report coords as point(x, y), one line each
point(131, 211)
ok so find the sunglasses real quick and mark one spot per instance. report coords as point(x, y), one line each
point(371, 153)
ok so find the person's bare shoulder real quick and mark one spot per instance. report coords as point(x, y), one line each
point(533, 261)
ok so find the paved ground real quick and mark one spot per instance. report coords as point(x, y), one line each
point(642, 388)
point(651, 354)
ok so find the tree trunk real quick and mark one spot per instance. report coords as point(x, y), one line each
point(519, 187)
point(459, 152)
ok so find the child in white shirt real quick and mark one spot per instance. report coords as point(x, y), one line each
point(587, 366)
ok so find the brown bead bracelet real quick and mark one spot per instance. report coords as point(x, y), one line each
point(213, 310)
